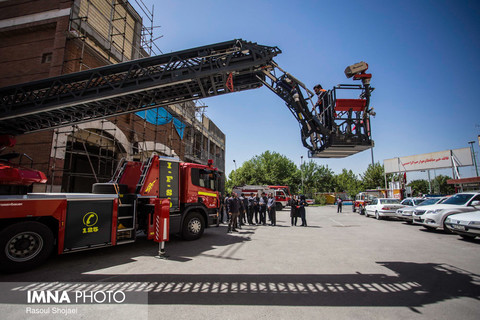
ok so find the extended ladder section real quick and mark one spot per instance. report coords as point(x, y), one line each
point(339, 129)
point(132, 86)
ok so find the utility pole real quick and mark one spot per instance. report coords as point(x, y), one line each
point(301, 170)
point(473, 156)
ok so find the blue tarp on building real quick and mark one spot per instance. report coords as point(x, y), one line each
point(159, 116)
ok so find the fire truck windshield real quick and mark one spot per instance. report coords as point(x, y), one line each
point(205, 178)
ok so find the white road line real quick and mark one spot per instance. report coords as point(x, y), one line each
point(337, 222)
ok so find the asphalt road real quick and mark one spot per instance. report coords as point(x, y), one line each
point(342, 266)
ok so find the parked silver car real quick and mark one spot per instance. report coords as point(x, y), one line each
point(409, 203)
point(434, 216)
point(407, 213)
point(383, 207)
point(467, 225)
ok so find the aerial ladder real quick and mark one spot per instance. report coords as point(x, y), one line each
point(143, 194)
point(341, 129)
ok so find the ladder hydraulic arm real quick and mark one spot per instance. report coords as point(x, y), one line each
point(337, 127)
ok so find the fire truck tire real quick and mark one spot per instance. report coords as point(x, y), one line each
point(278, 206)
point(193, 226)
point(109, 188)
point(24, 246)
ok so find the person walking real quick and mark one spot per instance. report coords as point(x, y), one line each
point(293, 211)
point(302, 204)
point(263, 208)
point(271, 209)
point(233, 212)
point(251, 204)
point(339, 205)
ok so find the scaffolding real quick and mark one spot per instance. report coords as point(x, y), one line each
point(111, 31)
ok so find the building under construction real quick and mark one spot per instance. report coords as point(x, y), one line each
point(48, 38)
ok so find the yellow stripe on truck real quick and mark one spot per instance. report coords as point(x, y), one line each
point(201, 193)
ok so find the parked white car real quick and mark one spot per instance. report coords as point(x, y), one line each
point(467, 225)
point(435, 215)
point(383, 207)
point(406, 213)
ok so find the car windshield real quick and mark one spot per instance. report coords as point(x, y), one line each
point(428, 202)
point(418, 201)
point(459, 199)
point(389, 201)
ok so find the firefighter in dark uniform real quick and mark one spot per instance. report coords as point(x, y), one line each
point(251, 205)
point(324, 112)
point(263, 209)
point(256, 208)
point(233, 205)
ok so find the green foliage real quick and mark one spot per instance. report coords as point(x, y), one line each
point(316, 178)
point(440, 186)
point(419, 187)
point(320, 199)
point(374, 176)
point(269, 168)
point(348, 182)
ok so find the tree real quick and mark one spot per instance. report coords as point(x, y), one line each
point(374, 176)
point(325, 179)
point(419, 187)
point(348, 182)
point(440, 186)
point(269, 168)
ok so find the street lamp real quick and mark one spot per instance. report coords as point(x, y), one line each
point(235, 165)
point(473, 156)
point(301, 170)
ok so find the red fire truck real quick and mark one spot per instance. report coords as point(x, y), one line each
point(281, 197)
point(33, 224)
point(364, 198)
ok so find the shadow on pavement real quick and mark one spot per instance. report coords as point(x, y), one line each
point(74, 266)
point(415, 285)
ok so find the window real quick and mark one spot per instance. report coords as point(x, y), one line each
point(390, 201)
point(459, 199)
point(47, 57)
point(205, 178)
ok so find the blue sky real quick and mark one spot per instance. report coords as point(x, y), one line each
point(423, 55)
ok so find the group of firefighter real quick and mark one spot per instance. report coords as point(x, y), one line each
point(241, 210)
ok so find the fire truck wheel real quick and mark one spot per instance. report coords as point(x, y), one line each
point(278, 206)
point(24, 245)
point(193, 226)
